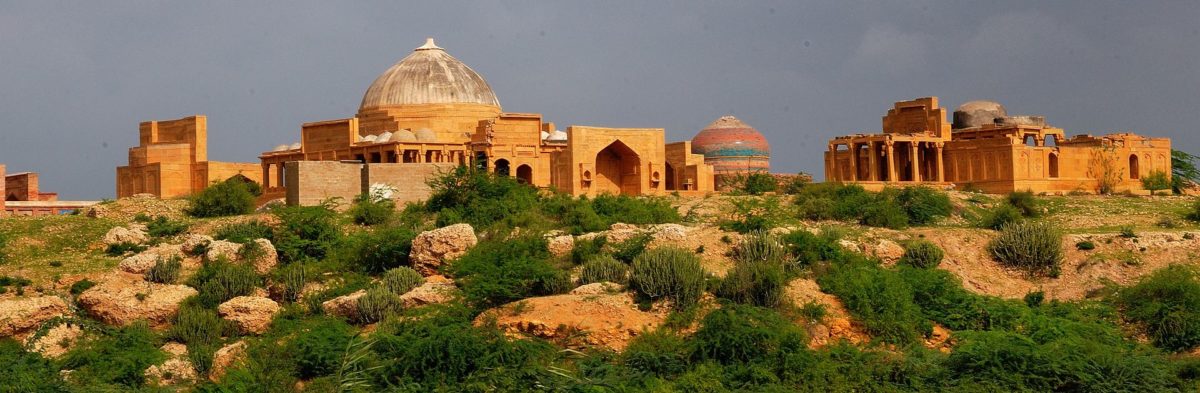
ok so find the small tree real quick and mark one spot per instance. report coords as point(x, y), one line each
point(1105, 168)
point(228, 198)
point(1155, 181)
point(758, 183)
point(1184, 173)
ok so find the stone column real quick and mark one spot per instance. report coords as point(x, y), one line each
point(891, 157)
point(853, 161)
point(916, 162)
point(266, 176)
point(833, 172)
point(873, 161)
point(941, 168)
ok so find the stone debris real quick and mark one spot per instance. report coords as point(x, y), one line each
point(433, 248)
point(435, 290)
point(57, 341)
point(225, 358)
point(143, 261)
point(252, 315)
point(343, 306)
point(560, 245)
point(177, 369)
point(133, 234)
point(19, 317)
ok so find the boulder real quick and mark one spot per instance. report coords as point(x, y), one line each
point(267, 259)
point(118, 235)
point(252, 315)
point(598, 288)
point(57, 341)
point(224, 358)
point(343, 306)
point(671, 233)
point(19, 317)
point(177, 369)
point(887, 251)
point(122, 298)
point(609, 320)
point(560, 245)
point(433, 248)
point(221, 249)
point(193, 241)
point(435, 290)
point(142, 262)
point(619, 233)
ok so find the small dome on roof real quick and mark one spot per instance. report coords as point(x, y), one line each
point(280, 148)
point(369, 138)
point(425, 135)
point(977, 113)
point(384, 137)
point(732, 146)
point(404, 136)
point(558, 135)
point(295, 146)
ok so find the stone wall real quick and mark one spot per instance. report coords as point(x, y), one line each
point(21, 187)
point(309, 183)
point(410, 181)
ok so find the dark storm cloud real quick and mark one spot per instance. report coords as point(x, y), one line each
point(77, 77)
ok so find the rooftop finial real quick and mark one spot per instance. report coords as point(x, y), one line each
point(429, 44)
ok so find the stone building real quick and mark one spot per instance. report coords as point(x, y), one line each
point(22, 196)
point(732, 148)
point(989, 150)
point(430, 109)
point(171, 160)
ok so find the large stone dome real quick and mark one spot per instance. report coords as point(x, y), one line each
point(732, 146)
point(428, 76)
point(977, 113)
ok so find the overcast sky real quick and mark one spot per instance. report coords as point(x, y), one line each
point(77, 77)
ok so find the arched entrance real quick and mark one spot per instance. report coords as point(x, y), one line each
point(502, 167)
point(670, 177)
point(1134, 173)
point(1053, 165)
point(617, 170)
point(525, 174)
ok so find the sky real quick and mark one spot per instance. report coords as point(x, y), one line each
point(76, 78)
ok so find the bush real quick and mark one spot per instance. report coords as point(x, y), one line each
point(604, 268)
point(669, 273)
point(586, 249)
point(162, 227)
point(305, 233)
point(922, 204)
point(80, 286)
point(740, 334)
point(379, 250)
point(228, 198)
point(499, 272)
point(401, 280)
point(3, 246)
point(165, 271)
point(1155, 181)
point(881, 300)
point(762, 247)
point(1024, 202)
point(755, 214)
point(479, 198)
point(628, 250)
point(759, 283)
point(319, 346)
point(220, 281)
point(27, 371)
point(244, 232)
point(1166, 304)
point(884, 213)
point(1126, 231)
point(1000, 216)
point(119, 359)
point(1032, 246)
point(291, 279)
point(808, 248)
point(196, 326)
point(660, 353)
point(371, 211)
point(1194, 213)
point(634, 210)
point(922, 254)
point(1086, 245)
point(122, 248)
point(376, 305)
point(758, 183)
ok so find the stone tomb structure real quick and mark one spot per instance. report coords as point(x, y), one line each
point(23, 197)
point(171, 160)
point(733, 148)
point(430, 109)
point(989, 150)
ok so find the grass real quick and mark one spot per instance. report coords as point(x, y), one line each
point(37, 242)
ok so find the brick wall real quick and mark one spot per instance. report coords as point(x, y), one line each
point(21, 186)
point(311, 182)
point(409, 180)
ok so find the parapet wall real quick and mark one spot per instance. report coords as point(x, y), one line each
point(409, 182)
point(309, 183)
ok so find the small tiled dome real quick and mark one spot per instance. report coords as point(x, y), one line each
point(732, 146)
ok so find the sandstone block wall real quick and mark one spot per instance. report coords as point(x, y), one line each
point(309, 183)
point(409, 180)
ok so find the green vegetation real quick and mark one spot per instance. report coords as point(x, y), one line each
point(891, 208)
point(604, 268)
point(1166, 304)
point(1032, 246)
point(80, 286)
point(220, 281)
point(165, 271)
point(1183, 171)
point(115, 362)
point(759, 275)
point(498, 272)
point(161, 227)
point(123, 248)
point(401, 280)
point(372, 210)
point(231, 197)
point(378, 250)
point(922, 254)
point(376, 305)
point(1085, 245)
point(306, 233)
point(669, 273)
point(244, 232)
point(756, 183)
point(1155, 181)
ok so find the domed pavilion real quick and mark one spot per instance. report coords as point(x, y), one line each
point(733, 147)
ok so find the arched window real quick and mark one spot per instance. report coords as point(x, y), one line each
point(1134, 173)
point(525, 174)
point(502, 167)
point(1053, 165)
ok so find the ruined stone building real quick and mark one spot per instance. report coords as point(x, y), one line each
point(988, 150)
point(22, 196)
point(171, 160)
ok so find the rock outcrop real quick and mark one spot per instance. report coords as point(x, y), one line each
point(431, 249)
point(143, 261)
point(609, 320)
point(560, 245)
point(121, 298)
point(225, 358)
point(343, 306)
point(435, 290)
point(134, 234)
point(57, 341)
point(252, 315)
point(267, 259)
point(263, 260)
point(177, 369)
point(193, 242)
point(221, 249)
point(19, 317)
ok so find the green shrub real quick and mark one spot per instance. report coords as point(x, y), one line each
point(797, 183)
point(558, 283)
point(1126, 231)
point(1032, 246)
point(634, 210)
point(82, 285)
point(1194, 212)
point(228, 198)
point(162, 227)
point(922, 204)
point(499, 272)
point(881, 300)
point(305, 233)
point(27, 371)
point(808, 248)
point(371, 211)
point(758, 183)
point(1155, 181)
point(118, 360)
point(376, 305)
point(884, 213)
point(1085, 245)
point(220, 281)
point(4, 240)
point(660, 352)
point(244, 232)
point(922, 254)
point(628, 250)
point(823, 201)
point(669, 273)
point(319, 345)
point(480, 198)
point(755, 214)
point(759, 283)
point(1034, 299)
point(586, 249)
point(738, 334)
point(198, 326)
point(1166, 304)
point(379, 250)
point(1000, 216)
point(291, 279)
point(165, 271)
point(761, 246)
point(401, 280)
point(604, 268)
point(1025, 202)
point(123, 248)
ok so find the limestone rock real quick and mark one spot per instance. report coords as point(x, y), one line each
point(435, 290)
point(122, 298)
point(23, 316)
point(221, 249)
point(225, 358)
point(252, 315)
point(672, 233)
point(598, 288)
point(609, 320)
point(119, 235)
point(849, 245)
point(619, 233)
point(175, 370)
point(431, 249)
point(343, 306)
point(268, 259)
point(142, 262)
point(57, 341)
point(561, 245)
point(888, 251)
point(193, 241)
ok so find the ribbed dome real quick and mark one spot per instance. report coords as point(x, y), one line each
point(977, 113)
point(732, 146)
point(428, 76)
